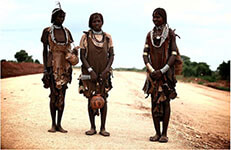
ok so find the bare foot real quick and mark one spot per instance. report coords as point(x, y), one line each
point(90, 132)
point(154, 138)
point(163, 139)
point(60, 129)
point(104, 133)
point(53, 129)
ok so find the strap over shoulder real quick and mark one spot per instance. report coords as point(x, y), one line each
point(178, 62)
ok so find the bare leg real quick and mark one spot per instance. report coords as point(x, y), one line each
point(59, 127)
point(103, 113)
point(167, 112)
point(156, 122)
point(92, 131)
point(60, 114)
point(53, 115)
point(52, 104)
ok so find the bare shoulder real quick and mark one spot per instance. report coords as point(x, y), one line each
point(67, 29)
point(46, 29)
point(84, 36)
point(44, 37)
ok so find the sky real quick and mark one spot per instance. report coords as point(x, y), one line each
point(203, 25)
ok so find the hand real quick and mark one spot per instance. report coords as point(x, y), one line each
point(153, 75)
point(75, 50)
point(104, 74)
point(45, 72)
point(156, 75)
point(46, 79)
point(44, 69)
point(93, 75)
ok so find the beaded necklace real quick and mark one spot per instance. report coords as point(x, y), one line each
point(53, 36)
point(162, 37)
point(97, 33)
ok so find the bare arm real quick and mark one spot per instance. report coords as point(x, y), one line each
point(171, 60)
point(111, 59)
point(83, 59)
point(45, 55)
point(170, 63)
point(173, 48)
point(146, 58)
point(86, 64)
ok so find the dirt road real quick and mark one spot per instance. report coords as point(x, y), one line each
point(200, 116)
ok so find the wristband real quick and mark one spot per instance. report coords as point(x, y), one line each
point(150, 67)
point(90, 69)
point(164, 69)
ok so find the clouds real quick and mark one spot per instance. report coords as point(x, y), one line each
point(202, 25)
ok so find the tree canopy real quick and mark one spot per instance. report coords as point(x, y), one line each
point(22, 56)
point(224, 70)
point(195, 69)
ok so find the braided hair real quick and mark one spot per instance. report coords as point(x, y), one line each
point(162, 13)
point(55, 13)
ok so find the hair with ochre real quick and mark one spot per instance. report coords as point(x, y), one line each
point(162, 13)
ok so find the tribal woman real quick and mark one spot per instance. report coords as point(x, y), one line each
point(162, 60)
point(97, 55)
point(58, 59)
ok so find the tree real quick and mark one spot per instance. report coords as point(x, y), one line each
point(202, 69)
point(29, 59)
point(37, 61)
point(194, 69)
point(22, 56)
point(188, 69)
point(224, 70)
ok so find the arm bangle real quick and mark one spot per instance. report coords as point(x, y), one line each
point(150, 67)
point(90, 69)
point(174, 53)
point(164, 69)
point(146, 46)
point(145, 53)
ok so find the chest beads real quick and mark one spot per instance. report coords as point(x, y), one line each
point(94, 33)
point(53, 36)
point(162, 37)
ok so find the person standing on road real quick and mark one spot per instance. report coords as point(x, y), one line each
point(163, 61)
point(97, 55)
point(58, 59)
